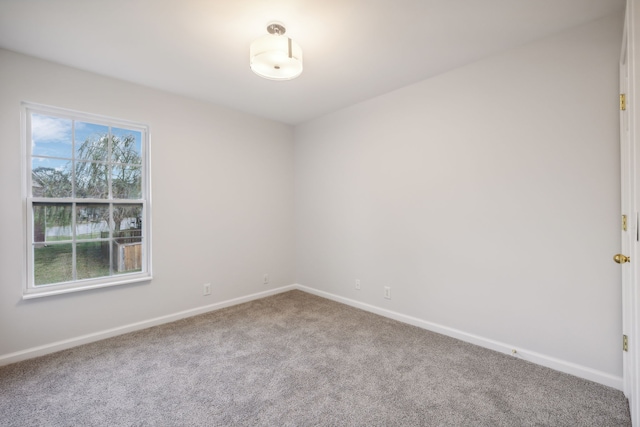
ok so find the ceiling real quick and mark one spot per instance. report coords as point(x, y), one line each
point(353, 49)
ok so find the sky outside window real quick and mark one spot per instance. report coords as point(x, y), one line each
point(51, 136)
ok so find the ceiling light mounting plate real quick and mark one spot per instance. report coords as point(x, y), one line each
point(276, 28)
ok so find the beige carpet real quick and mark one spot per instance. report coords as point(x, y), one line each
point(295, 359)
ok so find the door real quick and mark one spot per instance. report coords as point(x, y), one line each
point(626, 206)
point(630, 218)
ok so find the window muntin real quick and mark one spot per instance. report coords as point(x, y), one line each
point(87, 201)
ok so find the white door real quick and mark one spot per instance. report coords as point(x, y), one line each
point(630, 220)
point(626, 205)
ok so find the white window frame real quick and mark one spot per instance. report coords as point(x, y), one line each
point(30, 290)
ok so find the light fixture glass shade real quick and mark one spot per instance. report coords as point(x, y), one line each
point(276, 57)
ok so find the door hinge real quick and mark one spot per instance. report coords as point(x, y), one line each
point(625, 343)
point(624, 222)
point(623, 102)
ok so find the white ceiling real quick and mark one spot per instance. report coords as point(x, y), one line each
point(353, 49)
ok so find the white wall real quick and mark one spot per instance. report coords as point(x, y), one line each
point(487, 198)
point(222, 204)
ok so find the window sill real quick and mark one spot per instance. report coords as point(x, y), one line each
point(39, 293)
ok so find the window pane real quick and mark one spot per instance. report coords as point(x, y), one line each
point(50, 177)
point(92, 221)
point(52, 263)
point(50, 136)
point(127, 220)
point(127, 146)
point(92, 259)
point(51, 222)
point(126, 182)
point(92, 180)
point(127, 255)
point(127, 242)
point(92, 141)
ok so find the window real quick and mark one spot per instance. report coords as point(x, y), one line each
point(87, 201)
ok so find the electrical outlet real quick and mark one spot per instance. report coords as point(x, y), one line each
point(387, 292)
point(358, 284)
point(266, 279)
point(207, 289)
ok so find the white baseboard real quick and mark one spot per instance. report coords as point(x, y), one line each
point(530, 356)
point(97, 336)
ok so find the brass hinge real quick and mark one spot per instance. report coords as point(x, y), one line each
point(624, 222)
point(625, 343)
point(623, 102)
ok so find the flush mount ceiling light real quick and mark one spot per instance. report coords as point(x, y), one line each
point(275, 56)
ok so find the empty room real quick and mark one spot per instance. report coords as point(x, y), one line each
point(319, 213)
